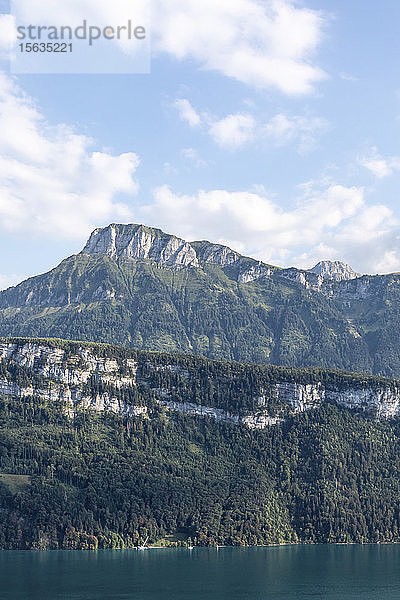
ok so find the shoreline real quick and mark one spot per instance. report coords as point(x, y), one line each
point(283, 545)
point(216, 548)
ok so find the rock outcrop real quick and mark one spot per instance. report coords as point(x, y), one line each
point(77, 378)
point(334, 270)
point(138, 242)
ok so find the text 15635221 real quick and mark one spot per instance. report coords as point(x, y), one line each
point(45, 47)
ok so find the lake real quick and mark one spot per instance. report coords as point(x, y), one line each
point(369, 572)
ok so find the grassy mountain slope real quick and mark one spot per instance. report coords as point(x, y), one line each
point(158, 300)
point(203, 311)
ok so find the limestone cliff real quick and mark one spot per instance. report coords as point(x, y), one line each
point(138, 242)
point(80, 376)
point(334, 270)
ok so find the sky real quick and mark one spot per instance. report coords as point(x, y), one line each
point(271, 126)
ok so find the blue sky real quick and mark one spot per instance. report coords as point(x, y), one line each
point(272, 126)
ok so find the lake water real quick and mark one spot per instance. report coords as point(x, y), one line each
point(288, 573)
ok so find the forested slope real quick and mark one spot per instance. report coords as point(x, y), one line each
point(76, 473)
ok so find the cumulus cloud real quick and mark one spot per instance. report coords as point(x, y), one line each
point(250, 222)
point(233, 131)
point(53, 180)
point(262, 44)
point(238, 129)
point(378, 165)
point(187, 113)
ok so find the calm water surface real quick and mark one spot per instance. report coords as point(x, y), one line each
point(287, 573)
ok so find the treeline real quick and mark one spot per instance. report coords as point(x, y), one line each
point(235, 371)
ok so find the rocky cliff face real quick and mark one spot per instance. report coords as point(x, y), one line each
point(138, 242)
point(334, 271)
point(78, 378)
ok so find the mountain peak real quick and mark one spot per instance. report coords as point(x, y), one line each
point(334, 270)
point(141, 242)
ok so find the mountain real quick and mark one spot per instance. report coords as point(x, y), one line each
point(137, 242)
point(106, 447)
point(334, 271)
point(138, 286)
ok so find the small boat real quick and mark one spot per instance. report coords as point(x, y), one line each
point(143, 546)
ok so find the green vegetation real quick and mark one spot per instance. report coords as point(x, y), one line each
point(207, 312)
point(230, 386)
point(101, 480)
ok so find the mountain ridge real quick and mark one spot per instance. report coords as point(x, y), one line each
point(137, 286)
point(137, 241)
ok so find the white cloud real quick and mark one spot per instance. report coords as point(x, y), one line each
point(233, 131)
point(262, 44)
point(378, 165)
point(361, 234)
point(53, 180)
point(238, 129)
point(187, 113)
point(284, 129)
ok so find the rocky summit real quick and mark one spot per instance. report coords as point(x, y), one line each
point(334, 270)
point(140, 287)
point(138, 242)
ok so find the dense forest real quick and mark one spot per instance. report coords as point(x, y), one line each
point(103, 480)
point(108, 482)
